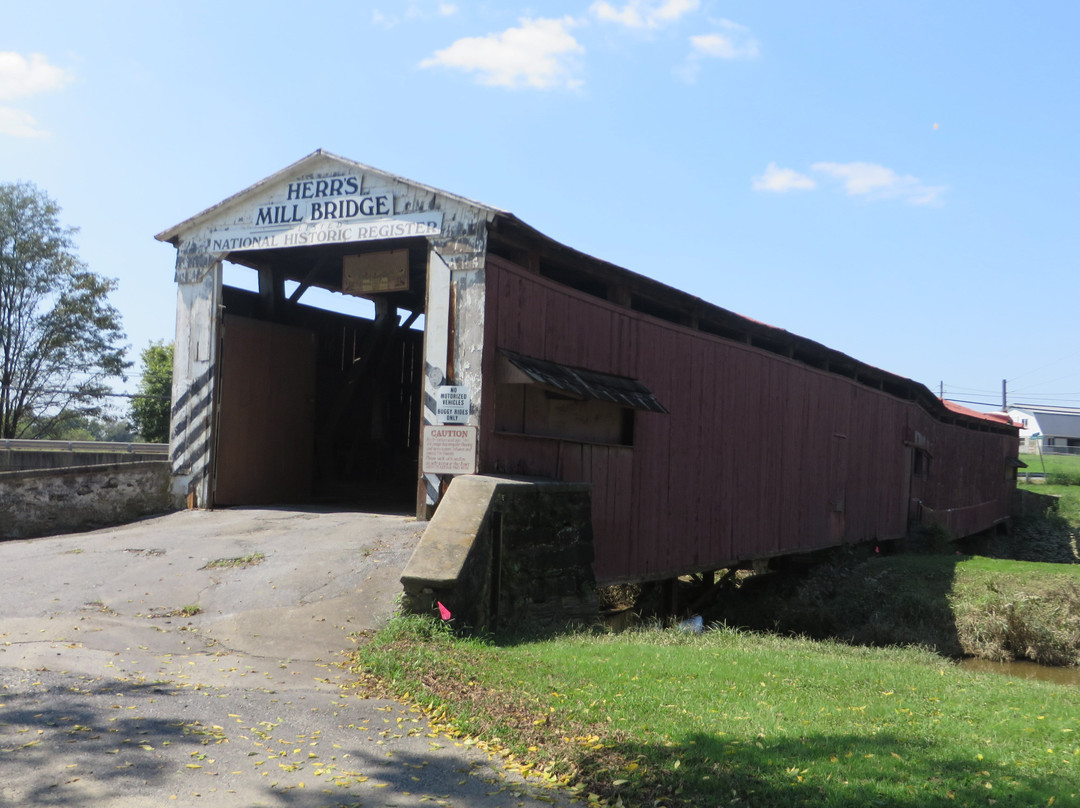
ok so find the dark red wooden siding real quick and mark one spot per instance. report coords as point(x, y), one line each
point(265, 432)
point(760, 455)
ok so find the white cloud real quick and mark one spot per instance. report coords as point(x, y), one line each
point(21, 77)
point(877, 181)
point(540, 54)
point(643, 13)
point(732, 41)
point(671, 10)
point(734, 44)
point(869, 180)
point(378, 18)
point(447, 9)
point(781, 180)
point(17, 123)
point(860, 178)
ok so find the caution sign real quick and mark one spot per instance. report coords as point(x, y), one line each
point(449, 450)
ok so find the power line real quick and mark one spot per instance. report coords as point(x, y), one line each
point(945, 391)
point(982, 403)
point(1049, 396)
point(1054, 381)
point(974, 390)
point(1041, 367)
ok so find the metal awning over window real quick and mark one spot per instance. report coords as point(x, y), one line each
point(584, 383)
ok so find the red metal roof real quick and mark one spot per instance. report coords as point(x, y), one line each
point(996, 417)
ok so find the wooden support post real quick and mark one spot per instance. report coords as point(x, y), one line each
point(710, 594)
point(669, 598)
point(271, 290)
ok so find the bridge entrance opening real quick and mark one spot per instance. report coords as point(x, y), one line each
point(320, 363)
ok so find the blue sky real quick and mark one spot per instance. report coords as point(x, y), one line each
point(894, 180)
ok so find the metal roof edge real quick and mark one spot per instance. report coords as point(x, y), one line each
point(621, 390)
point(1045, 408)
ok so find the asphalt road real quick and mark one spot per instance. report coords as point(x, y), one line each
point(115, 692)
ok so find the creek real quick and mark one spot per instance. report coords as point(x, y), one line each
point(1024, 670)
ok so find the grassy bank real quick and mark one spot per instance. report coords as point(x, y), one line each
point(1066, 465)
point(735, 718)
point(772, 718)
point(956, 605)
point(1068, 500)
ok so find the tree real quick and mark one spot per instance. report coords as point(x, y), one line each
point(151, 406)
point(109, 427)
point(60, 339)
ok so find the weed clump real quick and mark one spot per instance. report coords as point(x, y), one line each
point(249, 560)
point(1063, 478)
point(1029, 614)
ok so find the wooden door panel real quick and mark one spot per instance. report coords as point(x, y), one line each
point(265, 434)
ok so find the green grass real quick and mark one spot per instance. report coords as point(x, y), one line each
point(954, 604)
point(734, 718)
point(737, 718)
point(1051, 464)
point(1068, 502)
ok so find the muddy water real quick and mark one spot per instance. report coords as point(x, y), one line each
point(1024, 670)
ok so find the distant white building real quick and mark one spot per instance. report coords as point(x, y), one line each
point(1052, 430)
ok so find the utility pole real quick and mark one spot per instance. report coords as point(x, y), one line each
point(941, 390)
point(1004, 404)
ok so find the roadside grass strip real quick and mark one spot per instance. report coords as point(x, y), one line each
point(666, 718)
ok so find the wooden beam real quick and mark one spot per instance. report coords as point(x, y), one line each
point(308, 280)
point(271, 290)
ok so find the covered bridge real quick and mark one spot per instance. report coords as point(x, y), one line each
point(494, 349)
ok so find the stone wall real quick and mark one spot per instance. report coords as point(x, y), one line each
point(44, 502)
point(22, 460)
point(503, 552)
point(1031, 503)
point(544, 559)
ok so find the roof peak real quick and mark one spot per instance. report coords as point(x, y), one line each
point(310, 161)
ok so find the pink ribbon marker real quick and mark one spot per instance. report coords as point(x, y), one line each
point(444, 613)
